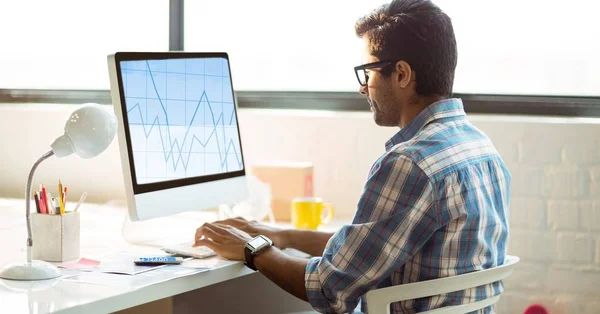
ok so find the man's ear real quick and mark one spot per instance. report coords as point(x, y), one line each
point(404, 73)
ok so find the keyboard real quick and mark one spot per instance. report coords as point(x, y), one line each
point(186, 249)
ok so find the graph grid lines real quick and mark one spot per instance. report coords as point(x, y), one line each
point(181, 118)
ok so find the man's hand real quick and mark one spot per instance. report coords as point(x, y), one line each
point(255, 228)
point(308, 241)
point(225, 240)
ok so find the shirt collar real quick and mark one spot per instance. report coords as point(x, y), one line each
point(446, 108)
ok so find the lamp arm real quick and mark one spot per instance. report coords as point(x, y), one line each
point(28, 201)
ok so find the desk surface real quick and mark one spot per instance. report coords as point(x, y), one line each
point(100, 234)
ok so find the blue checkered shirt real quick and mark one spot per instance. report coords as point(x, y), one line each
point(434, 205)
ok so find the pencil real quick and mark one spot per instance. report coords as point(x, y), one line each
point(61, 206)
point(60, 190)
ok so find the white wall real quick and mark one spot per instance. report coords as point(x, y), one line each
point(555, 162)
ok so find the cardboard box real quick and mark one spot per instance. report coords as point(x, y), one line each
point(287, 180)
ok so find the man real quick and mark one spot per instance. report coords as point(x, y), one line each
point(434, 205)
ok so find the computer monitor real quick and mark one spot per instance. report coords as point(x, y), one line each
point(178, 131)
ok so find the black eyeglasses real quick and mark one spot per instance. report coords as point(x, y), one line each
point(361, 73)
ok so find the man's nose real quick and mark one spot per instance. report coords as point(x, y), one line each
point(364, 90)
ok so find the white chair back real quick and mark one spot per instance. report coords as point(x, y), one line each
point(379, 300)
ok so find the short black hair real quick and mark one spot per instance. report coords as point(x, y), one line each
point(418, 32)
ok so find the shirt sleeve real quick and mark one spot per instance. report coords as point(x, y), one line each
point(398, 208)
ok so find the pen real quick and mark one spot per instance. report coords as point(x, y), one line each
point(44, 199)
point(50, 208)
point(41, 201)
point(57, 206)
point(49, 201)
point(81, 199)
point(37, 202)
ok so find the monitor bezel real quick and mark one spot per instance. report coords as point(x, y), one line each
point(163, 185)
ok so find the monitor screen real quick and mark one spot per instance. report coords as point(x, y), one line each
point(181, 118)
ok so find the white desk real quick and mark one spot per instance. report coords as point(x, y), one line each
point(101, 234)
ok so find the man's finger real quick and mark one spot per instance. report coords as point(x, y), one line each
point(240, 219)
point(211, 226)
point(205, 242)
point(220, 228)
point(204, 230)
point(235, 222)
point(223, 227)
point(209, 232)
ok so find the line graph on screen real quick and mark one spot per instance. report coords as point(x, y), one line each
point(177, 128)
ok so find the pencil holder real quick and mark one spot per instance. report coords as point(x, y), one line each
point(55, 237)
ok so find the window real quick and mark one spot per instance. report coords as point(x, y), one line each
point(512, 47)
point(281, 45)
point(519, 57)
point(63, 44)
point(533, 47)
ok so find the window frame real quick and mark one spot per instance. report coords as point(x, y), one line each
point(539, 105)
point(340, 101)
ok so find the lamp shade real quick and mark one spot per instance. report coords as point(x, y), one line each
point(88, 132)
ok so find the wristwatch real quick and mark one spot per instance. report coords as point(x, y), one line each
point(255, 247)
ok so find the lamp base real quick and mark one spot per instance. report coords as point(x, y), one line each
point(36, 270)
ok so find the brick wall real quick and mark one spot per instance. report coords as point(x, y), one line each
point(555, 163)
point(555, 212)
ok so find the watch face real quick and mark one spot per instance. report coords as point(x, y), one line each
point(257, 242)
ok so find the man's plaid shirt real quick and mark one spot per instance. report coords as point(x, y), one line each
point(435, 205)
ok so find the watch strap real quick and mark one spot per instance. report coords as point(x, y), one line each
point(249, 258)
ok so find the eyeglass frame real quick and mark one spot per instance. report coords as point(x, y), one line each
point(372, 65)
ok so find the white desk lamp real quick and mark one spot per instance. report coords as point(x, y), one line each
point(88, 132)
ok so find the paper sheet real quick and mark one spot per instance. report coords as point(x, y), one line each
point(138, 281)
